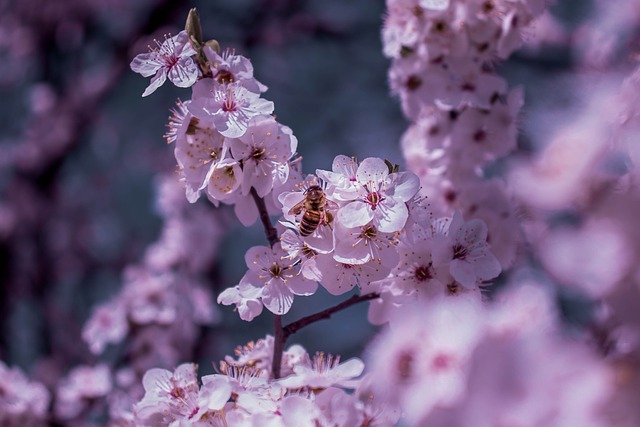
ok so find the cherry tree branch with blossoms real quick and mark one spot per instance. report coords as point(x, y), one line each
point(556, 344)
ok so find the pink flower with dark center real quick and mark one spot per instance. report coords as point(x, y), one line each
point(170, 59)
point(169, 396)
point(230, 107)
point(231, 68)
point(380, 197)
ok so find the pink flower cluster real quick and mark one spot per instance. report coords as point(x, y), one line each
point(446, 356)
point(313, 393)
point(228, 143)
point(373, 233)
point(160, 308)
point(463, 115)
point(455, 362)
point(22, 402)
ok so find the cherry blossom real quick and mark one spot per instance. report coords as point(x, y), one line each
point(198, 154)
point(380, 197)
point(231, 67)
point(228, 107)
point(22, 402)
point(278, 279)
point(464, 246)
point(264, 149)
point(363, 244)
point(75, 391)
point(338, 278)
point(108, 324)
point(424, 355)
point(324, 371)
point(169, 396)
point(170, 59)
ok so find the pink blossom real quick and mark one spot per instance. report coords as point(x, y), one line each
point(225, 177)
point(22, 402)
point(82, 384)
point(464, 246)
point(339, 278)
point(341, 178)
point(276, 276)
point(380, 197)
point(198, 153)
point(107, 324)
point(340, 409)
point(169, 396)
point(360, 245)
point(172, 58)
point(231, 68)
point(324, 371)
point(421, 361)
point(228, 107)
point(246, 297)
point(594, 257)
point(264, 150)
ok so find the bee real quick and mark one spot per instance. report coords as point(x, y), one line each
point(313, 205)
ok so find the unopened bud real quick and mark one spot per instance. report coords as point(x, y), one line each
point(193, 28)
point(213, 44)
point(392, 168)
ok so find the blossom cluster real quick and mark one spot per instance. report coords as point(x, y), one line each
point(371, 232)
point(22, 402)
point(557, 344)
point(463, 115)
point(456, 362)
point(161, 307)
point(318, 390)
point(226, 141)
point(347, 227)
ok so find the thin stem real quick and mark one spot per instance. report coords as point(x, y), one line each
point(294, 327)
point(282, 334)
point(272, 237)
point(278, 346)
point(269, 229)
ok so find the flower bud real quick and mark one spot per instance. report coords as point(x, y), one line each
point(194, 29)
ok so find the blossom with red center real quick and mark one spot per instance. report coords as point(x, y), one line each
point(273, 279)
point(229, 107)
point(464, 246)
point(231, 68)
point(380, 197)
point(173, 59)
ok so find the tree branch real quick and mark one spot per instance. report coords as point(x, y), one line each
point(294, 327)
point(269, 229)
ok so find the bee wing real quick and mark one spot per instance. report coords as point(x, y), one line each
point(331, 205)
point(297, 208)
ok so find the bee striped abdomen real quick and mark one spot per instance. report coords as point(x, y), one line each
point(310, 221)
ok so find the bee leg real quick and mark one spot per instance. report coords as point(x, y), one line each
point(328, 219)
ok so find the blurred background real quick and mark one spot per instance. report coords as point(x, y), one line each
point(81, 150)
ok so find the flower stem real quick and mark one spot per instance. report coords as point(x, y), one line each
point(272, 237)
point(278, 346)
point(294, 327)
point(269, 229)
point(282, 334)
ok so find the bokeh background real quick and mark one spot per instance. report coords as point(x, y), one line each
point(81, 150)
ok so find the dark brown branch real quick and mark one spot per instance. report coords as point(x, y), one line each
point(269, 229)
point(272, 237)
point(278, 346)
point(294, 327)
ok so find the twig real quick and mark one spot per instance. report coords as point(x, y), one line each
point(278, 345)
point(294, 327)
point(269, 229)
